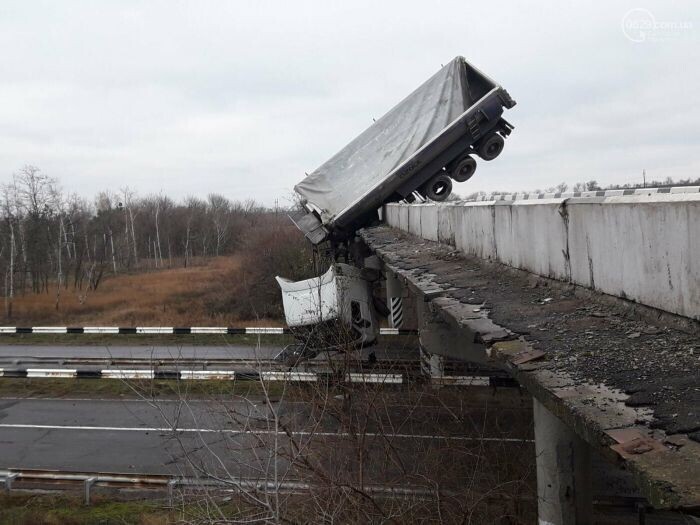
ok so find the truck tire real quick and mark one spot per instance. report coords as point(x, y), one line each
point(464, 169)
point(490, 147)
point(437, 188)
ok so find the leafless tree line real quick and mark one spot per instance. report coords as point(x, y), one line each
point(334, 450)
point(593, 185)
point(327, 452)
point(50, 240)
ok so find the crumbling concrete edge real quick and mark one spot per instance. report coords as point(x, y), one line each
point(666, 474)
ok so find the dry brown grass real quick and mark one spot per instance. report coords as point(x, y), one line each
point(169, 297)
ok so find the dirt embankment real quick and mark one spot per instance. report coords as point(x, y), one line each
point(217, 291)
point(169, 297)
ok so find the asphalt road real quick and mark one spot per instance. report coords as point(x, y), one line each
point(169, 437)
point(233, 439)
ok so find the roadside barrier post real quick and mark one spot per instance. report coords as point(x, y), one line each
point(89, 482)
point(171, 492)
point(8, 481)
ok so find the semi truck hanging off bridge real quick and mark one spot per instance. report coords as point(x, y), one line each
point(430, 138)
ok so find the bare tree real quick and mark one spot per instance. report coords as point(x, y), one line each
point(351, 452)
point(220, 212)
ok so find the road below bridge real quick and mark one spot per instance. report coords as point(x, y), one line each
point(31, 355)
point(312, 437)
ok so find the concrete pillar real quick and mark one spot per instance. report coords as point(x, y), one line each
point(432, 365)
point(394, 300)
point(564, 495)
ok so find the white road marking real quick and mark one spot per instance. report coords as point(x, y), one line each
point(209, 374)
point(51, 372)
point(49, 329)
point(356, 377)
point(127, 374)
point(154, 329)
point(101, 330)
point(208, 330)
point(257, 432)
point(264, 330)
point(289, 376)
point(461, 380)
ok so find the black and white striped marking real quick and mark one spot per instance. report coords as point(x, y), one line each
point(266, 375)
point(195, 330)
point(396, 312)
point(578, 194)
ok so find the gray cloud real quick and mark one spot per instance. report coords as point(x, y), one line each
point(193, 97)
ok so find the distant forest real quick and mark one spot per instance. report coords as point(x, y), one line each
point(593, 185)
point(51, 240)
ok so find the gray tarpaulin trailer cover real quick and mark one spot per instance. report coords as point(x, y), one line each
point(418, 145)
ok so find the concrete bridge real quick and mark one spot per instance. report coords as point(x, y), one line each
point(591, 302)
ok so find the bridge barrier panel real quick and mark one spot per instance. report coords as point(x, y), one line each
point(640, 247)
point(402, 218)
point(445, 226)
point(643, 248)
point(429, 221)
point(415, 214)
point(474, 230)
point(532, 236)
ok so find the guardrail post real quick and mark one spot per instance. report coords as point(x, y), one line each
point(89, 482)
point(563, 472)
point(171, 492)
point(8, 481)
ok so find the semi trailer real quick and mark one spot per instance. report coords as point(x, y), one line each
point(430, 138)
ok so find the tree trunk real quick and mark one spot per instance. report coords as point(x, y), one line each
point(60, 275)
point(133, 237)
point(8, 307)
point(159, 253)
point(114, 260)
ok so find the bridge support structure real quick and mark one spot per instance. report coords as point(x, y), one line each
point(542, 333)
point(564, 484)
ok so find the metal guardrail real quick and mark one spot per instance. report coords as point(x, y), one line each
point(172, 330)
point(375, 377)
point(89, 480)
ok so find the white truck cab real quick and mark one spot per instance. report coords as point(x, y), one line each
point(341, 296)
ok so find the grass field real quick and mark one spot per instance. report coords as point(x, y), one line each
point(189, 296)
point(68, 509)
point(45, 509)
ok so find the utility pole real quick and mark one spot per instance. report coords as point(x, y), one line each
point(644, 178)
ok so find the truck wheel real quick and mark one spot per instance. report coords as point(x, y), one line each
point(490, 147)
point(438, 188)
point(464, 169)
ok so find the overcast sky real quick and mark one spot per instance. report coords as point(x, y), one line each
point(242, 98)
